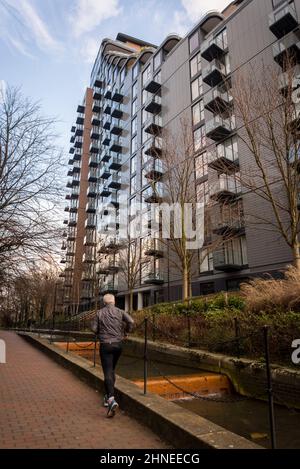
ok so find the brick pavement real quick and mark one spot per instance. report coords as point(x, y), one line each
point(43, 405)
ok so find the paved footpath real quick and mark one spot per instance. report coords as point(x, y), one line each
point(43, 405)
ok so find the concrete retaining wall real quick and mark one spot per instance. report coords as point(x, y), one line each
point(183, 429)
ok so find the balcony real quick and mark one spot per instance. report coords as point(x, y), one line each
point(95, 134)
point(154, 170)
point(107, 109)
point(96, 122)
point(96, 107)
point(283, 20)
point(80, 120)
point(91, 206)
point(75, 193)
point(226, 188)
point(73, 128)
point(76, 167)
point(73, 209)
point(116, 145)
point(78, 143)
point(78, 132)
point(102, 270)
point(226, 261)
point(213, 48)
point(89, 240)
point(287, 49)
point(63, 260)
point(71, 161)
point(71, 236)
point(113, 199)
point(153, 147)
point(98, 83)
point(232, 226)
point(116, 111)
point(217, 101)
point(109, 288)
point(104, 191)
point(87, 276)
point(286, 79)
point(90, 222)
point(97, 95)
point(153, 105)
point(107, 122)
point(92, 190)
point(116, 128)
point(223, 162)
point(81, 109)
point(115, 182)
point(154, 278)
point(153, 126)
point(105, 156)
point(93, 161)
point(105, 172)
point(153, 197)
point(77, 155)
point(214, 73)
point(106, 139)
point(116, 163)
point(218, 129)
point(94, 147)
point(153, 249)
point(88, 258)
point(117, 96)
point(92, 176)
point(72, 139)
point(113, 244)
point(107, 92)
point(72, 222)
point(70, 251)
point(152, 85)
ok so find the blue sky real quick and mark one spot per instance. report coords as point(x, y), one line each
point(47, 46)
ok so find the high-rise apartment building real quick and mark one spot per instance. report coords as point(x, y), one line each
point(136, 91)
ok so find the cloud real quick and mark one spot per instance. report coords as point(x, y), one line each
point(3, 87)
point(88, 14)
point(196, 8)
point(89, 50)
point(21, 25)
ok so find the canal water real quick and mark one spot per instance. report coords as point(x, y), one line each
point(248, 418)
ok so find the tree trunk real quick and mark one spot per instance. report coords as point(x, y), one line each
point(185, 284)
point(296, 254)
point(130, 301)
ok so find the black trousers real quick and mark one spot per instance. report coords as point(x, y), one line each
point(109, 355)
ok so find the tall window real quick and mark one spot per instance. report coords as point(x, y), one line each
point(194, 41)
point(198, 112)
point(197, 88)
point(134, 126)
point(145, 136)
point(145, 116)
point(146, 75)
point(133, 165)
point(201, 165)
point(199, 138)
point(195, 65)
point(228, 149)
point(134, 107)
point(135, 71)
point(145, 96)
point(157, 60)
point(134, 90)
point(132, 185)
point(203, 193)
point(133, 145)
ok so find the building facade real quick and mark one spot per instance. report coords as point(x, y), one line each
point(136, 91)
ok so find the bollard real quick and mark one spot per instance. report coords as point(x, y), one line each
point(189, 330)
point(95, 348)
point(146, 356)
point(270, 388)
point(237, 336)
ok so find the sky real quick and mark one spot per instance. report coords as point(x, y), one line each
point(47, 47)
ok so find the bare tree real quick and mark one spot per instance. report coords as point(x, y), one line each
point(267, 113)
point(29, 182)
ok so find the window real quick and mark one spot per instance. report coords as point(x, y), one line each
point(145, 136)
point(203, 193)
point(197, 88)
point(199, 138)
point(134, 90)
point(134, 126)
point(123, 74)
point(201, 165)
point(194, 41)
point(145, 158)
point(195, 65)
point(133, 144)
point(157, 60)
point(207, 264)
point(134, 107)
point(132, 185)
point(198, 112)
point(157, 77)
point(145, 116)
point(146, 75)
point(135, 71)
point(145, 96)
point(207, 288)
point(145, 180)
point(133, 165)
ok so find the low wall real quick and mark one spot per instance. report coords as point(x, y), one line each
point(180, 427)
point(247, 376)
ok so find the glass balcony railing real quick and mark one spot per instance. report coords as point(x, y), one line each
point(283, 20)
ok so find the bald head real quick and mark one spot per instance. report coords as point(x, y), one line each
point(109, 299)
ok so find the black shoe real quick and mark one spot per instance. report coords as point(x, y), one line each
point(105, 401)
